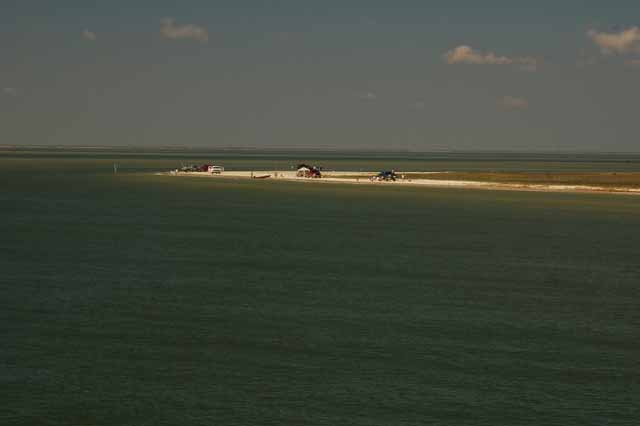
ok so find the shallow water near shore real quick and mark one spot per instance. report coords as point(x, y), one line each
point(136, 299)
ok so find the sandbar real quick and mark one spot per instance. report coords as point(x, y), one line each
point(425, 179)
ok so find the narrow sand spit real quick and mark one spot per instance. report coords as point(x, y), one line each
point(362, 178)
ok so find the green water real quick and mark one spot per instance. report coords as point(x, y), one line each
point(135, 299)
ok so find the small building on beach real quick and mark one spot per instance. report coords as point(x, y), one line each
point(304, 170)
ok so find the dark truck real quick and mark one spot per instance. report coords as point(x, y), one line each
point(385, 176)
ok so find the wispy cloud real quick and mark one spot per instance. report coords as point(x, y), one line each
point(467, 55)
point(170, 30)
point(623, 42)
point(10, 91)
point(89, 35)
point(512, 102)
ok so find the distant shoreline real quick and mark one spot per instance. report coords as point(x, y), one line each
point(200, 149)
point(362, 178)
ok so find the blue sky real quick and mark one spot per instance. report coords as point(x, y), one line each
point(421, 75)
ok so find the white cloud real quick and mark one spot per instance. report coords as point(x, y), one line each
point(89, 35)
point(466, 55)
point(10, 91)
point(369, 96)
point(623, 42)
point(170, 30)
point(511, 102)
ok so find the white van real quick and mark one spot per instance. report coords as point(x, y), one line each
point(215, 169)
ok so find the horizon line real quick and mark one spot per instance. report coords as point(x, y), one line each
point(281, 148)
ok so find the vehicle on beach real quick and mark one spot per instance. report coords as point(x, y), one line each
point(189, 168)
point(304, 170)
point(389, 175)
point(204, 168)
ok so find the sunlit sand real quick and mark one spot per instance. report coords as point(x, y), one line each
point(435, 179)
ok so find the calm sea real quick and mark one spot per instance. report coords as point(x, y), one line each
point(137, 299)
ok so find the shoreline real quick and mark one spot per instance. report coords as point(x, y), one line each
point(354, 179)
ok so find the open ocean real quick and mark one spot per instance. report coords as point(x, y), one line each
point(137, 299)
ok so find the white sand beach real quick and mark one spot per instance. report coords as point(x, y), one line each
point(362, 178)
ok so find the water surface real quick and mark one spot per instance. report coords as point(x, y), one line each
point(136, 299)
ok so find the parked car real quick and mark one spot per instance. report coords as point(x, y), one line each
point(385, 176)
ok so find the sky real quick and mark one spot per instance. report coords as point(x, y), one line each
point(415, 75)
